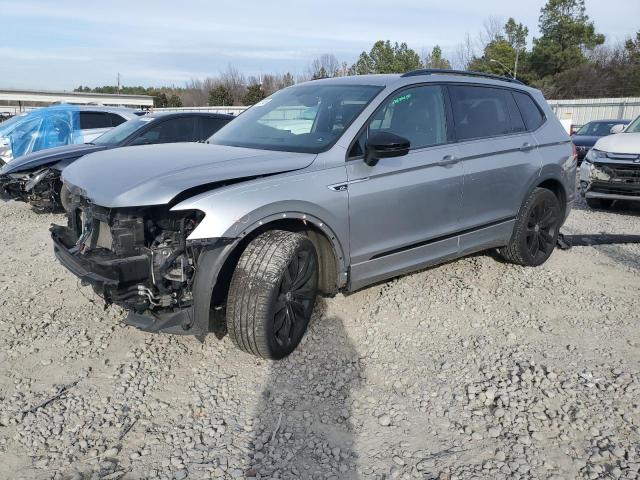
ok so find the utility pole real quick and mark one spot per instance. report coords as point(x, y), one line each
point(118, 82)
point(515, 67)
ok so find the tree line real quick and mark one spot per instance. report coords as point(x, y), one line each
point(568, 60)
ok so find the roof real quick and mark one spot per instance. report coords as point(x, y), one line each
point(428, 75)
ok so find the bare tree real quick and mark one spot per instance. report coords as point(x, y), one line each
point(493, 29)
point(325, 65)
point(234, 80)
point(464, 53)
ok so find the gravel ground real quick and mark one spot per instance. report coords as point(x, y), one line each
point(473, 369)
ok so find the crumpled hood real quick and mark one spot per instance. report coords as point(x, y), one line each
point(620, 143)
point(155, 174)
point(49, 156)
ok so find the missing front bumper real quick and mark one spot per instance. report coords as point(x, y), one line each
point(104, 271)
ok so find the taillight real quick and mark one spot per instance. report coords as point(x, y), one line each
point(575, 152)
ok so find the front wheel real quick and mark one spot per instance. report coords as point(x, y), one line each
point(272, 294)
point(536, 230)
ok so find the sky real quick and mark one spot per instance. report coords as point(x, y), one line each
point(60, 45)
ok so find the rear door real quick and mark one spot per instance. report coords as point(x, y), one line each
point(404, 211)
point(499, 157)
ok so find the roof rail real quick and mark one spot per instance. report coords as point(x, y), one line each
point(439, 71)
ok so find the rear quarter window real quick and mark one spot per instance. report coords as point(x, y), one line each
point(211, 125)
point(89, 120)
point(116, 119)
point(481, 112)
point(530, 111)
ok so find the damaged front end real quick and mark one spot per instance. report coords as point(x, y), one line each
point(137, 258)
point(610, 176)
point(41, 187)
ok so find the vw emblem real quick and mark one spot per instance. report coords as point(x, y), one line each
point(637, 160)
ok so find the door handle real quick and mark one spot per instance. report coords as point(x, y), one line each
point(526, 147)
point(448, 160)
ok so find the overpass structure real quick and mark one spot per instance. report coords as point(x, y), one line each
point(18, 98)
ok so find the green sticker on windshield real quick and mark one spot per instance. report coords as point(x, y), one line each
point(403, 98)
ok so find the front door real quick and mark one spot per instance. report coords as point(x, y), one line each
point(404, 211)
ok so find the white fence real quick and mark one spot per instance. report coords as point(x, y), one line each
point(582, 111)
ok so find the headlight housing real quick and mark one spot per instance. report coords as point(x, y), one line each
point(594, 155)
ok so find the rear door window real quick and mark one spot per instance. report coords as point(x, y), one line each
point(531, 113)
point(481, 112)
point(210, 125)
point(172, 131)
point(90, 120)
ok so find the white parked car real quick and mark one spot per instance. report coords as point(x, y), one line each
point(611, 169)
point(55, 126)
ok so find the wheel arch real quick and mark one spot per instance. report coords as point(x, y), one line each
point(331, 255)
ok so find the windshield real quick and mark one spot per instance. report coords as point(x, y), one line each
point(307, 118)
point(122, 131)
point(634, 127)
point(12, 121)
point(597, 129)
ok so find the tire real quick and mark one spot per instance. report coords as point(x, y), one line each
point(272, 294)
point(65, 198)
point(599, 203)
point(536, 230)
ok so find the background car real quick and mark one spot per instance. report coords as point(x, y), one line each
point(611, 169)
point(58, 125)
point(36, 177)
point(589, 134)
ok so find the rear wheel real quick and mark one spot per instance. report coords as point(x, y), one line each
point(536, 230)
point(599, 203)
point(272, 294)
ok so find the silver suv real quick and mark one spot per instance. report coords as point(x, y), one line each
point(325, 186)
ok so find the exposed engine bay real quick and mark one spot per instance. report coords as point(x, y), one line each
point(137, 258)
point(41, 187)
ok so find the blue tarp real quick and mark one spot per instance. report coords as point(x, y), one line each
point(43, 128)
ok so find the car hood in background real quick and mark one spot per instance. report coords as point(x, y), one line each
point(584, 140)
point(49, 157)
point(620, 143)
point(155, 174)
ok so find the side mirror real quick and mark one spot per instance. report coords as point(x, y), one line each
point(385, 145)
point(617, 128)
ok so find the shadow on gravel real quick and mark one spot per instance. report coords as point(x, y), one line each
point(303, 426)
point(609, 245)
point(619, 207)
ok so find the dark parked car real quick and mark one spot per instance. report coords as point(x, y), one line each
point(585, 138)
point(35, 178)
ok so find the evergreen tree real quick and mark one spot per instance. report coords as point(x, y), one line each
point(387, 58)
point(254, 94)
point(220, 97)
point(567, 34)
point(436, 60)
